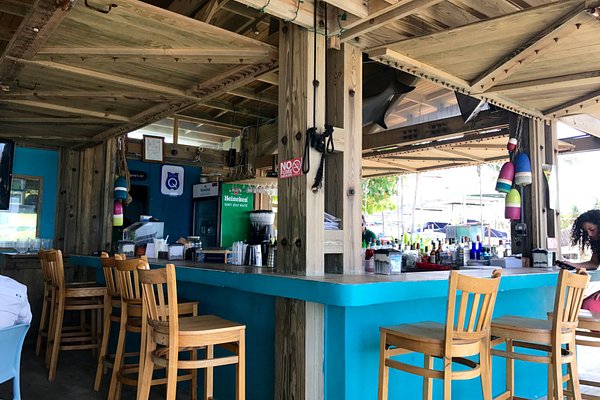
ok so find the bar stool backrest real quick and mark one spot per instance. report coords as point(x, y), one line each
point(128, 282)
point(568, 300)
point(473, 318)
point(108, 268)
point(46, 274)
point(56, 267)
point(159, 308)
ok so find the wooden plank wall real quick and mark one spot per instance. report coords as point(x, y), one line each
point(84, 213)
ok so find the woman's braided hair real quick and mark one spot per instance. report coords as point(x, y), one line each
point(579, 236)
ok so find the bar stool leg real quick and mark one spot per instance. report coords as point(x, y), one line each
point(383, 370)
point(510, 370)
point(574, 373)
point(485, 362)
point(241, 367)
point(43, 320)
point(145, 378)
point(50, 338)
point(557, 371)
point(550, 382)
point(447, 378)
point(104, 345)
point(172, 369)
point(208, 374)
point(118, 364)
point(194, 373)
point(427, 382)
point(60, 311)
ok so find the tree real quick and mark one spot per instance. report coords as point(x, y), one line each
point(377, 193)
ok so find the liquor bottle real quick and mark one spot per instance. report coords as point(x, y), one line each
point(433, 254)
point(439, 253)
point(460, 252)
point(478, 249)
point(473, 250)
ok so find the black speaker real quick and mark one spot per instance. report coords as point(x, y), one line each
point(231, 158)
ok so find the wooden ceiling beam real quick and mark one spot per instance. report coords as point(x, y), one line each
point(43, 105)
point(385, 163)
point(584, 123)
point(37, 26)
point(360, 8)
point(252, 95)
point(434, 130)
point(69, 69)
point(216, 53)
point(14, 7)
point(45, 137)
point(6, 33)
point(445, 144)
point(300, 12)
point(208, 122)
point(462, 154)
point(399, 10)
point(207, 12)
point(185, 7)
point(84, 94)
point(550, 83)
point(574, 106)
point(531, 49)
point(55, 120)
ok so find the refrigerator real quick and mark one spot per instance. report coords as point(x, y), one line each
point(221, 213)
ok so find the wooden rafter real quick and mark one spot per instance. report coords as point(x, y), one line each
point(56, 120)
point(574, 106)
point(386, 164)
point(41, 21)
point(462, 154)
point(69, 69)
point(14, 7)
point(434, 130)
point(44, 105)
point(531, 49)
point(252, 95)
point(45, 137)
point(550, 83)
point(445, 144)
point(231, 79)
point(298, 11)
point(234, 57)
point(401, 9)
point(208, 122)
point(85, 94)
point(6, 33)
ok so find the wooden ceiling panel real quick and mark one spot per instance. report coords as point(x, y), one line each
point(468, 50)
point(488, 8)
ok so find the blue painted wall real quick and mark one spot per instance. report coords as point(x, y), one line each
point(41, 163)
point(175, 212)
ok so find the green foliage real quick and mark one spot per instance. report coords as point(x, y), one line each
point(377, 193)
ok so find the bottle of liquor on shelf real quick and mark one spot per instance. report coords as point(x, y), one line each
point(478, 249)
point(432, 255)
point(473, 251)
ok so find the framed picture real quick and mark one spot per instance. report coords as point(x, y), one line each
point(153, 147)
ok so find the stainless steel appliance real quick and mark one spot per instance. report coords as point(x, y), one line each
point(207, 213)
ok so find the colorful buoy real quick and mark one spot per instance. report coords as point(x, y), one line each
point(512, 209)
point(512, 144)
point(120, 188)
point(505, 177)
point(117, 213)
point(522, 170)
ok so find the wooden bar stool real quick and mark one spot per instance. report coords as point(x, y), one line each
point(112, 313)
point(130, 291)
point(587, 334)
point(167, 335)
point(46, 315)
point(66, 298)
point(460, 337)
point(546, 336)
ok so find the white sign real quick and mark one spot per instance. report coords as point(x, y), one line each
point(171, 180)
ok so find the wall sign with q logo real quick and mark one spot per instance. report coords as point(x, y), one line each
point(171, 181)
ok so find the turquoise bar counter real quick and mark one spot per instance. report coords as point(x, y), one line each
point(355, 307)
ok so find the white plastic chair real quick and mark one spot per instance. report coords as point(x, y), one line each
point(11, 344)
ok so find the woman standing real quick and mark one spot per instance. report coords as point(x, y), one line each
point(585, 233)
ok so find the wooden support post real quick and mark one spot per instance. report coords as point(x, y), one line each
point(539, 199)
point(300, 220)
point(299, 325)
point(551, 154)
point(343, 179)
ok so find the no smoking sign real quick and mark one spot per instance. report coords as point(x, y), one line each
point(290, 168)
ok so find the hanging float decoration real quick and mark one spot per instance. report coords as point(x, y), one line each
point(512, 209)
point(505, 178)
point(523, 175)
